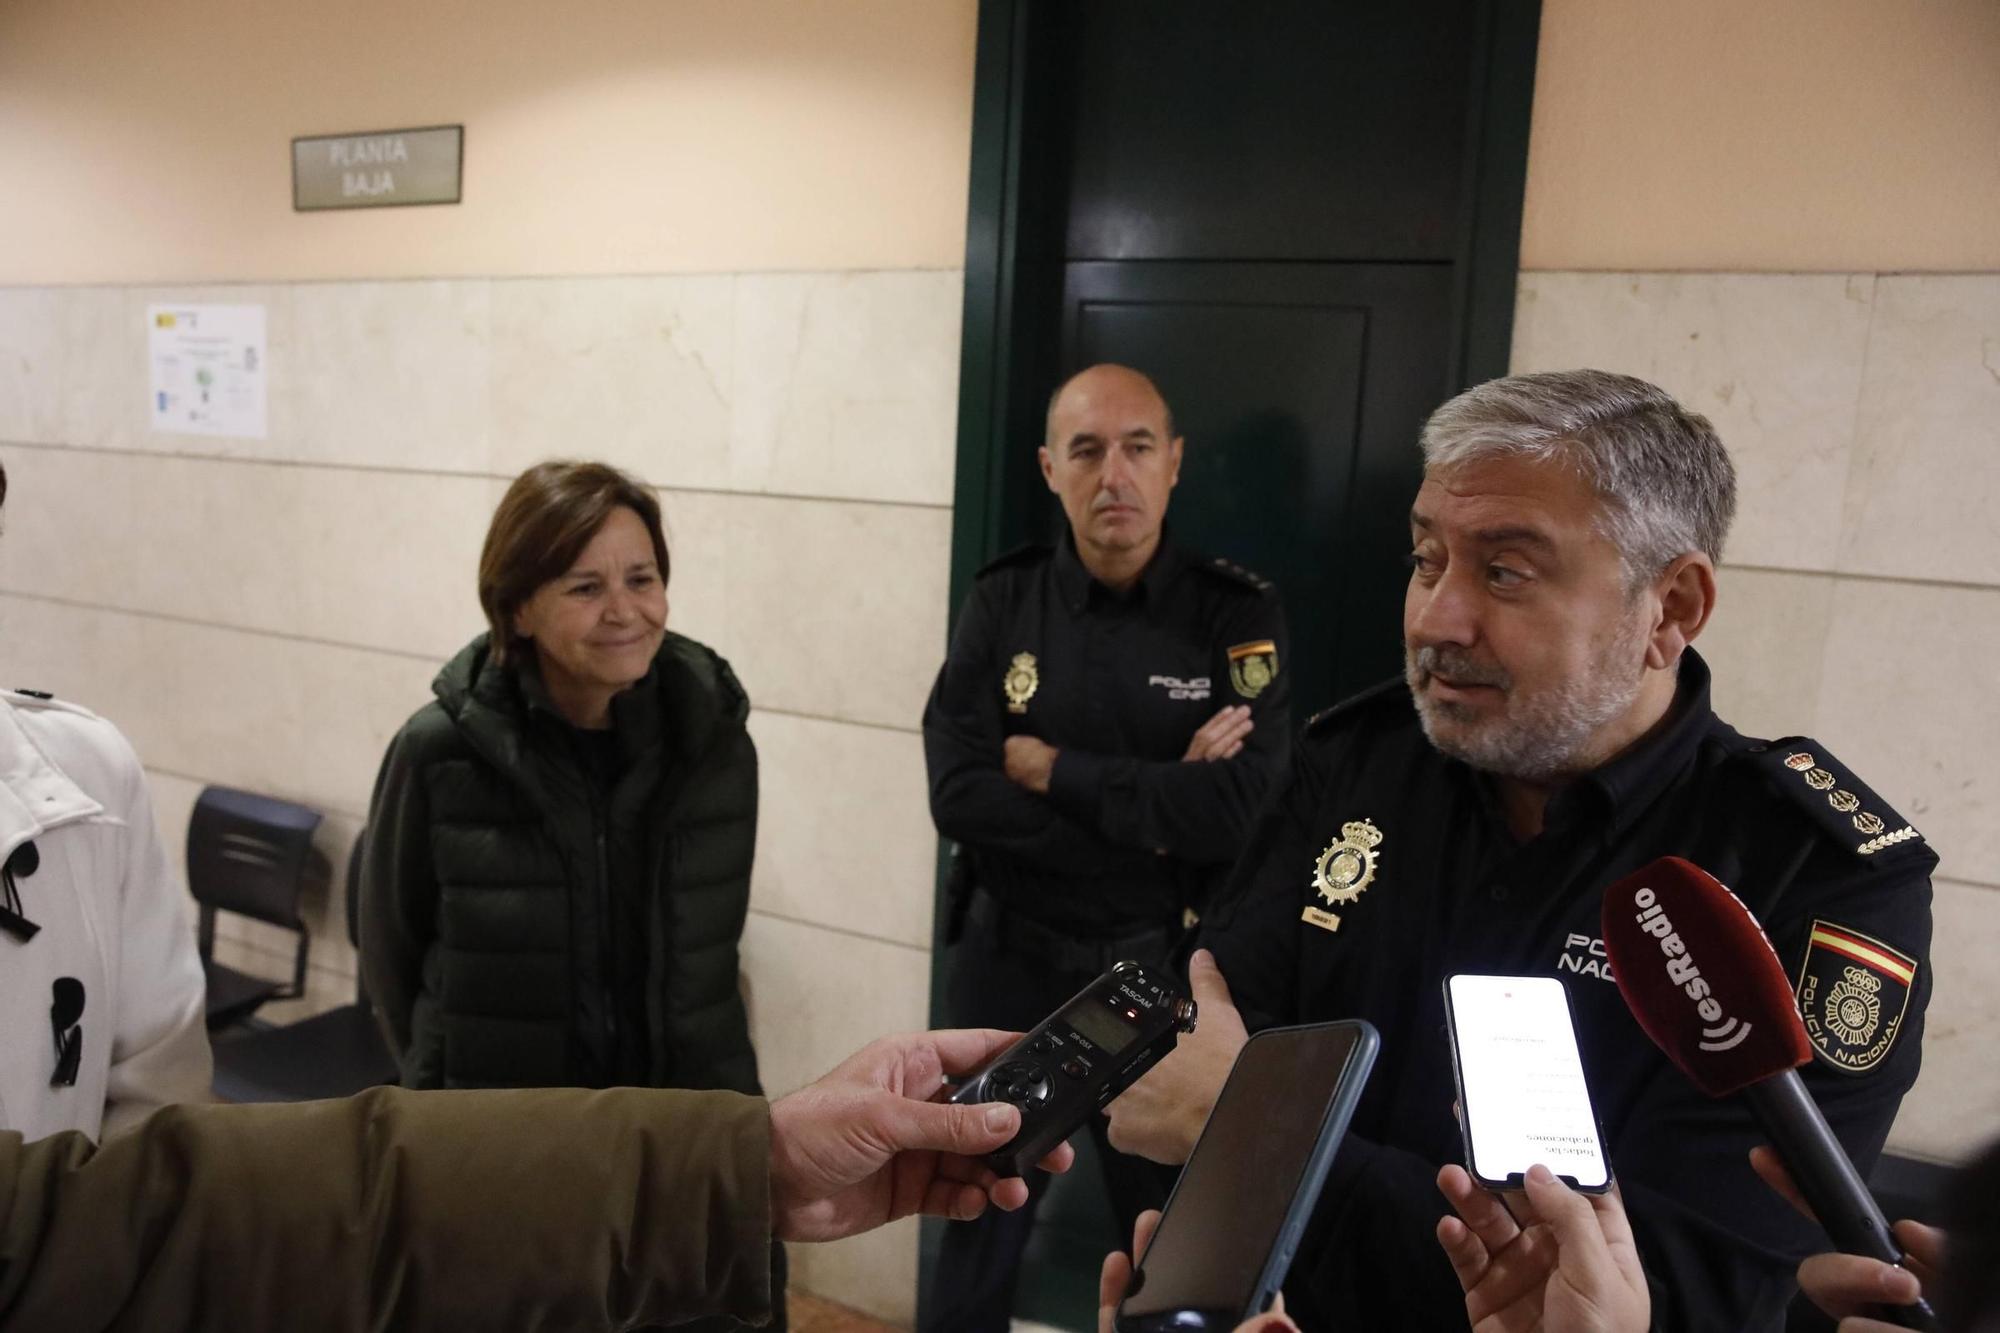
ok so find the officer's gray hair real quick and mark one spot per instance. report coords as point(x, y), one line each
point(1665, 480)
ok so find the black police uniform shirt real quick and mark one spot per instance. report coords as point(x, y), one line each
point(1382, 867)
point(1127, 834)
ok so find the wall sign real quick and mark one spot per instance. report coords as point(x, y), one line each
point(208, 372)
point(380, 170)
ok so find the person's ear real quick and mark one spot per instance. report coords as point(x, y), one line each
point(1175, 449)
point(1686, 595)
point(1048, 467)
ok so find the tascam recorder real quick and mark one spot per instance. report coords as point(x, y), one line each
point(1087, 1052)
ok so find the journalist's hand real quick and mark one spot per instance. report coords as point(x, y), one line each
point(1116, 1276)
point(1844, 1286)
point(1558, 1262)
point(1161, 1115)
point(867, 1144)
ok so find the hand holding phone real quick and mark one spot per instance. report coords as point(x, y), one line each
point(1577, 1267)
point(1116, 1276)
point(1227, 1236)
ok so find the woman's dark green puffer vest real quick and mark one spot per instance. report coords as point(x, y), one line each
point(485, 920)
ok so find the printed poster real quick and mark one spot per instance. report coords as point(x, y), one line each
point(208, 369)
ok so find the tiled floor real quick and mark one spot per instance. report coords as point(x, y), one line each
point(810, 1314)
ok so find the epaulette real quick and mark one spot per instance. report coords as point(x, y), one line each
point(1373, 696)
point(1838, 803)
point(1234, 573)
point(1020, 555)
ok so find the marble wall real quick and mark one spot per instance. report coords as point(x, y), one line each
point(266, 613)
point(1860, 595)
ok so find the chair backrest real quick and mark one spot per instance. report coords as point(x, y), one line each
point(252, 855)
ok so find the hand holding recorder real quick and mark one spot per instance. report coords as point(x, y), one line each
point(865, 1145)
point(1079, 1058)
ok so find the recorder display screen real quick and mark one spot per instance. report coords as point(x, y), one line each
point(1102, 1028)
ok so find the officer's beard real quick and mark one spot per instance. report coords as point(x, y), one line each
point(1537, 737)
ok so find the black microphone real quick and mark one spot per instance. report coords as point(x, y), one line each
point(1702, 979)
point(63, 1016)
point(23, 861)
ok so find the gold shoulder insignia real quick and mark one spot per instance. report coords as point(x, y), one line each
point(1836, 800)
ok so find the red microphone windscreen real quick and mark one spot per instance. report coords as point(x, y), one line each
point(1698, 973)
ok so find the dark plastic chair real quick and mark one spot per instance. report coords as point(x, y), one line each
point(334, 1054)
point(252, 855)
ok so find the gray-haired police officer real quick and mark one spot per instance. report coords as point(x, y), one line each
point(1554, 733)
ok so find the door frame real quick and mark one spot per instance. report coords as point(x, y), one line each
point(992, 416)
point(996, 411)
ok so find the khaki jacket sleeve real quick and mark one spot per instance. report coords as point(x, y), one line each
point(534, 1209)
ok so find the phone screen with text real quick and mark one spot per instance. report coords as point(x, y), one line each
point(1521, 1085)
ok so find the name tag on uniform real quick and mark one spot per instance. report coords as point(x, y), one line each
point(1314, 916)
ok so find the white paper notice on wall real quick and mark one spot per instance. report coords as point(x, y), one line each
point(208, 369)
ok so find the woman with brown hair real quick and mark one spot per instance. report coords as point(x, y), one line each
point(558, 855)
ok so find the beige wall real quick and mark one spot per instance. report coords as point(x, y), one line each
point(1779, 136)
point(151, 142)
point(1821, 177)
point(771, 196)
point(1860, 592)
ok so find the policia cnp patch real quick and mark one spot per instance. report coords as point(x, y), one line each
point(1853, 990)
point(1253, 666)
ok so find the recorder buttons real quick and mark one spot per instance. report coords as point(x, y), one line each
point(1075, 1068)
point(1021, 1082)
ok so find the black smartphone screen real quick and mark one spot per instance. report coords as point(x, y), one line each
point(1215, 1243)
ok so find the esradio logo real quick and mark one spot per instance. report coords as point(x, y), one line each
point(1723, 1031)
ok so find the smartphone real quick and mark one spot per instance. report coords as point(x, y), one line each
point(1234, 1218)
point(1522, 1096)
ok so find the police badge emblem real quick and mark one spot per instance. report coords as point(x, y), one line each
point(1347, 867)
point(1253, 666)
point(1021, 682)
point(1853, 992)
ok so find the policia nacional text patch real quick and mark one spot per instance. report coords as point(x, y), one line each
point(1853, 991)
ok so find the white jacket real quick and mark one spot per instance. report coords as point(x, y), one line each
point(113, 915)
